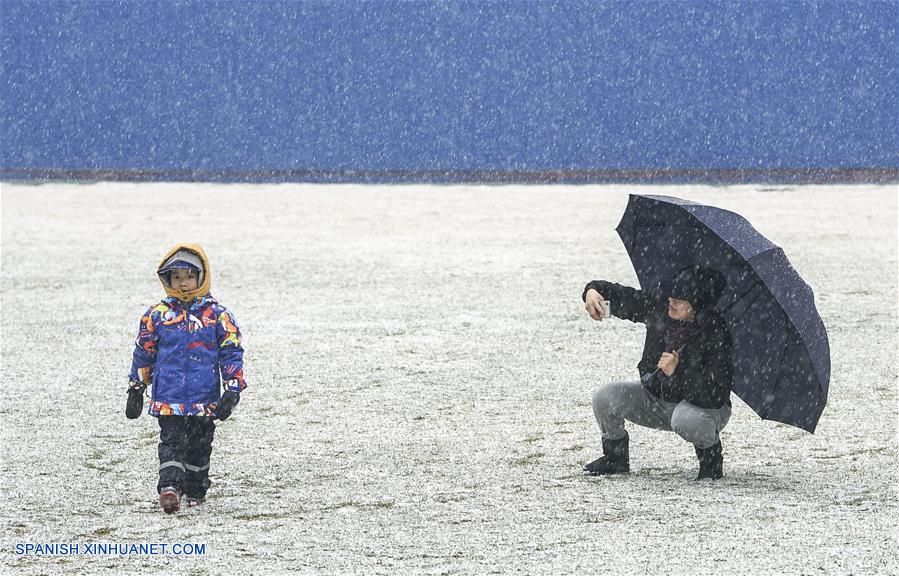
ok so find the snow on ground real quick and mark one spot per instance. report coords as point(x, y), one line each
point(420, 369)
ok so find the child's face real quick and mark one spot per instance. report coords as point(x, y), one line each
point(183, 280)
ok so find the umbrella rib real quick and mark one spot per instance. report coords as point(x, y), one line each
point(741, 296)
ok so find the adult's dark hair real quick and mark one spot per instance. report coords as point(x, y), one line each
point(701, 287)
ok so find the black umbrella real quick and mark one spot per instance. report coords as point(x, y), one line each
point(781, 354)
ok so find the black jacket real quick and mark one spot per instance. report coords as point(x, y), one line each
point(703, 374)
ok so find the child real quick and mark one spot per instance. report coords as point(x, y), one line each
point(187, 347)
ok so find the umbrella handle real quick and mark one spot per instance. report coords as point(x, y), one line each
point(647, 377)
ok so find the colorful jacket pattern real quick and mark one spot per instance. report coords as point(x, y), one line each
point(186, 351)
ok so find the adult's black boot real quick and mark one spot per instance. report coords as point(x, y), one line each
point(711, 462)
point(615, 459)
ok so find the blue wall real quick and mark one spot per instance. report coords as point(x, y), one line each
point(415, 86)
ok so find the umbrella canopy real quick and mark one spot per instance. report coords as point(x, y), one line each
point(781, 353)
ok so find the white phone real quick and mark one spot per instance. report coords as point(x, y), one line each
point(606, 308)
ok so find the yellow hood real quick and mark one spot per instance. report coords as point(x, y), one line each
point(205, 273)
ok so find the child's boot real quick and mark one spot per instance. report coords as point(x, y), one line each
point(191, 501)
point(170, 499)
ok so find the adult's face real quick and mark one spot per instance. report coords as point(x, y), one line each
point(680, 309)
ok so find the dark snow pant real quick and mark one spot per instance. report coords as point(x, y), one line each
point(620, 401)
point(185, 445)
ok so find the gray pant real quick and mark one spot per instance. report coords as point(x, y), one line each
point(614, 403)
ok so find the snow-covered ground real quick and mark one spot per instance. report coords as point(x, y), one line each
point(420, 369)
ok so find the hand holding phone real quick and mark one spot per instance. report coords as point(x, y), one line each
point(597, 306)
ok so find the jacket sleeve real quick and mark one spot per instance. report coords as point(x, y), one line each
point(625, 302)
point(230, 352)
point(144, 356)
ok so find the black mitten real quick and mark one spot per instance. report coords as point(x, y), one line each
point(229, 400)
point(135, 403)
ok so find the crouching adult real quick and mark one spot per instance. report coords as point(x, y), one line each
point(685, 370)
